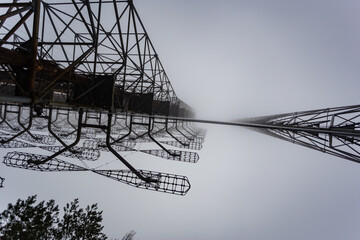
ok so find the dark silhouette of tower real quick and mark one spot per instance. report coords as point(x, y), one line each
point(81, 78)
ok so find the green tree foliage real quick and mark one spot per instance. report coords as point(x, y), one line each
point(78, 223)
point(26, 220)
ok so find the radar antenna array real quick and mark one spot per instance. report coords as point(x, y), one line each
point(80, 80)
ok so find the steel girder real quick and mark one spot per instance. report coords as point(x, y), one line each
point(74, 77)
point(74, 51)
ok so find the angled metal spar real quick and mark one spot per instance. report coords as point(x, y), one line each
point(77, 72)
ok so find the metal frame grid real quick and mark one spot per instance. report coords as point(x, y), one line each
point(335, 131)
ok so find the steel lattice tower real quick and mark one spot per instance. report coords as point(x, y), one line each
point(82, 78)
point(332, 130)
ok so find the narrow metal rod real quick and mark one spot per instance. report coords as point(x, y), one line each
point(34, 48)
point(16, 27)
point(66, 148)
point(130, 130)
point(159, 144)
point(176, 127)
point(23, 131)
point(334, 131)
point(51, 131)
point(167, 130)
point(113, 151)
point(10, 14)
point(183, 127)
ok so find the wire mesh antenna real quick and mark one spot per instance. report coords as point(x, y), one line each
point(335, 131)
point(189, 145)
point(181, 156)
point(164, 182)
point(76, 152)
point(82, 78)
point(28, 161)
point(14, 144)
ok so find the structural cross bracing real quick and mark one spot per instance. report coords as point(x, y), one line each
point(74, 75)
point(80, 80)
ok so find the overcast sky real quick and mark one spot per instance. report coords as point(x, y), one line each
point(229, 60)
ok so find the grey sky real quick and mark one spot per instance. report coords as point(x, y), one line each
point(258, 54)
point(234, 59)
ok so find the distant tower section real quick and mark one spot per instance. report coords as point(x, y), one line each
point(335, 131)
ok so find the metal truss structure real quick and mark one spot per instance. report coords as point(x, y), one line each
point(335, 131)
point(80, 80)
point(63, 135)
point(67, 51)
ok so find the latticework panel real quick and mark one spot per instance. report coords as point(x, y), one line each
point(126, 142)
point(117, 147)
point(65, 135)
point(14, 144)
point(76, 152)
point(164, 182)
point(101, 145)
point(182, 156)
point(186, 145)
point(79, 72)
point(333, 130)
point(38, 138)
point(21, 160)
point(195, 139)
point(10, 129)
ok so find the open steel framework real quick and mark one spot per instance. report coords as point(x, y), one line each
point(74, 75)
point(335, 131)
point(81, 79)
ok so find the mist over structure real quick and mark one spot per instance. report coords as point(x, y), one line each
point(234, 62)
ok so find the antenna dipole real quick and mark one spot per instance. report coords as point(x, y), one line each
point(80, 78)
point(74, 78)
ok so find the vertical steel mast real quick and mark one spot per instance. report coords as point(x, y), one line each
point(335, 131)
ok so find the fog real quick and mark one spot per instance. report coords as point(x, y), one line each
point(230, 60)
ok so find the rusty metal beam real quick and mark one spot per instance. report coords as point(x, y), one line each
point(64, 72)
point(18, 24)
point(34, 48)
point(50, 69)
point(12, 57)
point(13, 13)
